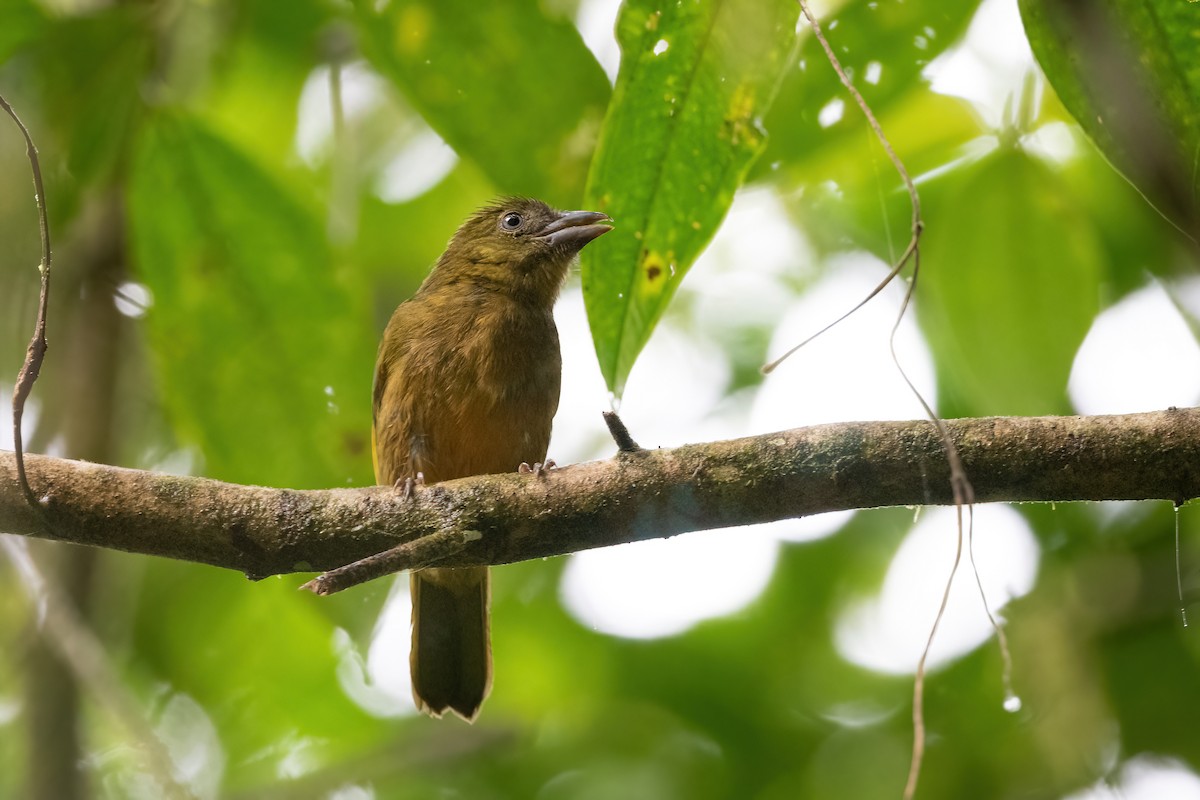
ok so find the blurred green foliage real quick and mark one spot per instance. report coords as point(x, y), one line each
point(525, 104)
point(258, 272)
point(1010, 202)
point(207, 226)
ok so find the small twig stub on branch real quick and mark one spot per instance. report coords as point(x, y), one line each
point(416, 554)
point(620, 434)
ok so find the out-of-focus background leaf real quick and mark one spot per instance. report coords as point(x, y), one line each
point(1009, 246)
point(510, 85)
point(228, 249)
point(227, 256)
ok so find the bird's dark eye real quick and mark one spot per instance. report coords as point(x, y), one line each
point(511, 221)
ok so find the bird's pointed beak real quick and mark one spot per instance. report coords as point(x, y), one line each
point(575, 228)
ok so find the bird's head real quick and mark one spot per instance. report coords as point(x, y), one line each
point(520, 244)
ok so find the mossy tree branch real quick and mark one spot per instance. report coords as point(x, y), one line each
point(638, 495)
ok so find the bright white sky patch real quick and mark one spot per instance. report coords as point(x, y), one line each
point(1138, 356)
point(660, 587)
point(362, 90)
point(847, 373)
point(28, 419)
point(6, 437)
point(1054, 141)
point(1146, 778)
point(390, 646)
point(831, 113)
point(674, 389)
point(416, 169)
point(805, 529)
point(380, 684)
point(888, 631)
point(675, 386)
point(10, 708)
point(755, 244)
point(352, 792)
point(419, 165)
point(991, 63)
point(596, 20)
point(133, 299)
point(663, 587)
point(190, 737)
point(579, 433)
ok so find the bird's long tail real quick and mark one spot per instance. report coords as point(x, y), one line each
point(451, 648)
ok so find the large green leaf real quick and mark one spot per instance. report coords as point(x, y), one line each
point(682, 130)
point(1129, 72)
point(1009, 285)
point(264, 351)
point(508, 85)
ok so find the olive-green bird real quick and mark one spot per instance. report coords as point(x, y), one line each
point(467, 383)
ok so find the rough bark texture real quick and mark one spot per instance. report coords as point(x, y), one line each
point(640, 495)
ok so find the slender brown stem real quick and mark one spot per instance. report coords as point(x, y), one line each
point(35, 354)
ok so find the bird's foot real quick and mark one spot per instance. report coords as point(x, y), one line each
point(408, 486)
point(538, 469)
